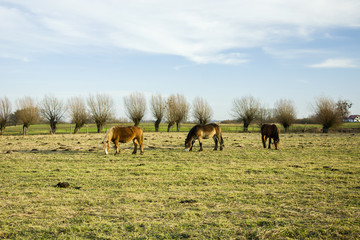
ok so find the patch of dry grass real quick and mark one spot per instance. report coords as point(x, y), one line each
point(307, 189)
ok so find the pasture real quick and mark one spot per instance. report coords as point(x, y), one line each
point(308, 189)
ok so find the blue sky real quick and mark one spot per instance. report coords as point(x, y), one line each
point(219, 50)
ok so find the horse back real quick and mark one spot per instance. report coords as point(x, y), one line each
point(126, 134)
point(209, 130)
point(270, 131)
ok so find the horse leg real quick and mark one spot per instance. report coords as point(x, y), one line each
point(141, 141)
point(263, 138)
point(200, 142)
point(117, 147)
point(135, 146)
point(269, 142)
point(192, 144)
point(221, 143)
point(216, 142)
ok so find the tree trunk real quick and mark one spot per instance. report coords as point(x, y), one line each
point(286, 127)
point(169, 126)
point(157, 124)
point(77, 129)
point(2, 127)
point(246, 126)
point(53, 127)
point(99, 127)
point(325, 129)
point(136, 122)
point(25, 129)
point(178, 126)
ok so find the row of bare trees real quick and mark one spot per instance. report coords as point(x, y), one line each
point(51, 109)
point(99, 108)
point(326, 112)
point(174, 110)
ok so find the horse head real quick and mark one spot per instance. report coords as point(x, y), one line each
point(188, 144)
point(106, 142)
point(276, 143)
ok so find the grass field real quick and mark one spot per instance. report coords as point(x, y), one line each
point(309, 189)
point(185, 127)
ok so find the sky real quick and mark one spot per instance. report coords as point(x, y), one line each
point(297, 50)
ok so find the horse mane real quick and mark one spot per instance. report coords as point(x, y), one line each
point(191, 133)
point(108, 133)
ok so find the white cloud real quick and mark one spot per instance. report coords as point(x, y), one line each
point(201, 31)
point(336, 63)
point(291, 53)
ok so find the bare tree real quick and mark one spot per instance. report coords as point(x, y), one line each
point(264, 115)
point(100, 108)
point(177, 110)
point(285, 113)
point(344, 106)
point(158, 108)
point(202, 111)
point(170, 113)
point(327, 113)
point(28, 113)
point(135, 107)
point(52, 109)
point(245, 109)
point(78, 112)
point(5, 113)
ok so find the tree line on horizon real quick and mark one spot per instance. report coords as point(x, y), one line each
point(173, 110)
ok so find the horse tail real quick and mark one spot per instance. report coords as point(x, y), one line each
point(219, 133)
point(142, 137)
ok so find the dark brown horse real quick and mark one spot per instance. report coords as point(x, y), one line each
point(123, 134)
point(201, 132)
point(271, 132)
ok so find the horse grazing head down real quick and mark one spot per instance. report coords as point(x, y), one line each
point(270, 132)
point(121, 134)
point(201, 132)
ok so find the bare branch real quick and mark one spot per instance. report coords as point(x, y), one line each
point(177, 110)
point(327, 113)
point(78, 112)
point(285, 113)
point(245, 109)
point(202, 111)
point(53, 110)
point(135, 107)
point(28, 112)
point(158, 109)
point(100, 107)
point(5, 113)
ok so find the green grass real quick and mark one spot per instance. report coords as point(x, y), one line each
point(309, 189)
point(185, 127)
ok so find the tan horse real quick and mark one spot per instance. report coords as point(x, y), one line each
point(118, 134)
point(271, 132)
point(201, 132)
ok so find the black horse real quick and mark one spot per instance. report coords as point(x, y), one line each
point(271, 132)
